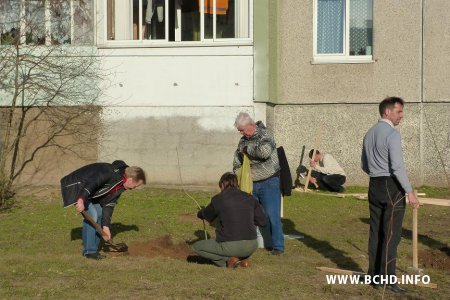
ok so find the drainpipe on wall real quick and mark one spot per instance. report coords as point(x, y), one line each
point(263, 61)
point(421, 105)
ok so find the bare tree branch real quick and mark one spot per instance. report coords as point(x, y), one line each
point(50, 90)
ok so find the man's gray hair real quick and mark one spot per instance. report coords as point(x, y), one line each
point(242, 120)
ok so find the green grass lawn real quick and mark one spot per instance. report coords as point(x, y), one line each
point(40, 251)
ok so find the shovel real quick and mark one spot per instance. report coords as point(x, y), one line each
point(120, 247)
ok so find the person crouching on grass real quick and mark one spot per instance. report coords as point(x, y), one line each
point(96, 188)
point(238, 214)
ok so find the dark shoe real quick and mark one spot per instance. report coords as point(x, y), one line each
point(377, 286)
point(395, 288)
point(96, 256)
point(232, 262)
point(245, 263)
point(276, 252)
point(392, 287)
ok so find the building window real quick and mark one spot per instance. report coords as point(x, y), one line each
point(9, 22)
point(141, 21)
point(343, 30)
point(46, 22)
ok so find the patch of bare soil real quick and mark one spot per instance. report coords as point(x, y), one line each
point(162, 246)
point(438, 259)
point(190, 217)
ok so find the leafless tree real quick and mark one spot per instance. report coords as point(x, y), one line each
point(50, 82)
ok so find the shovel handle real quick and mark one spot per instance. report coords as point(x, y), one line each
point(118, 247)
point(96, 226)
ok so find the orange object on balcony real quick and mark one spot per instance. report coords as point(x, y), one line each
point(221, 6)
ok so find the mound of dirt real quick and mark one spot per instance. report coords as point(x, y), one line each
point(435, 259)
point(162, 246)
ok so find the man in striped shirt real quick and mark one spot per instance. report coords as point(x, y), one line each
point(382, 160)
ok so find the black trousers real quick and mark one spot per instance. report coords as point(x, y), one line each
point(332, 183)
point(387, 208)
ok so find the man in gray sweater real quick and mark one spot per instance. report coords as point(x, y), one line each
point(382, 160)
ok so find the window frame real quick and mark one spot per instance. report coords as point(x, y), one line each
point(105, 42)
point(345, 57)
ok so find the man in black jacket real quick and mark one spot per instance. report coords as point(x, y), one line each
point(96, 188)
point(237, 213)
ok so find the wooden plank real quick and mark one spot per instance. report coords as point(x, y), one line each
point(282, 207)
point(427, 285)
point(415, 235)
point(315, 147)
point(354, 195)
point(428, 201)
point(414, 239)
point(339, 271)
point(336, 195)
point(435, 201)
point(308, 177)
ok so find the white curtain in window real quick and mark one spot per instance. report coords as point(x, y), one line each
point(123, 19)
point(360, 27)
point(330, 26)
point(242, 18)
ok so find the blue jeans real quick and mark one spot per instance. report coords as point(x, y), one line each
point(91, 239)
point(269, 195)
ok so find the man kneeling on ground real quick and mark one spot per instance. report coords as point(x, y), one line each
point(237, 213)
point(327, 174)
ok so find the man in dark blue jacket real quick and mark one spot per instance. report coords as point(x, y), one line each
point(96, 188)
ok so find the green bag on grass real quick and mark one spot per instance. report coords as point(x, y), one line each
point(244, 176)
